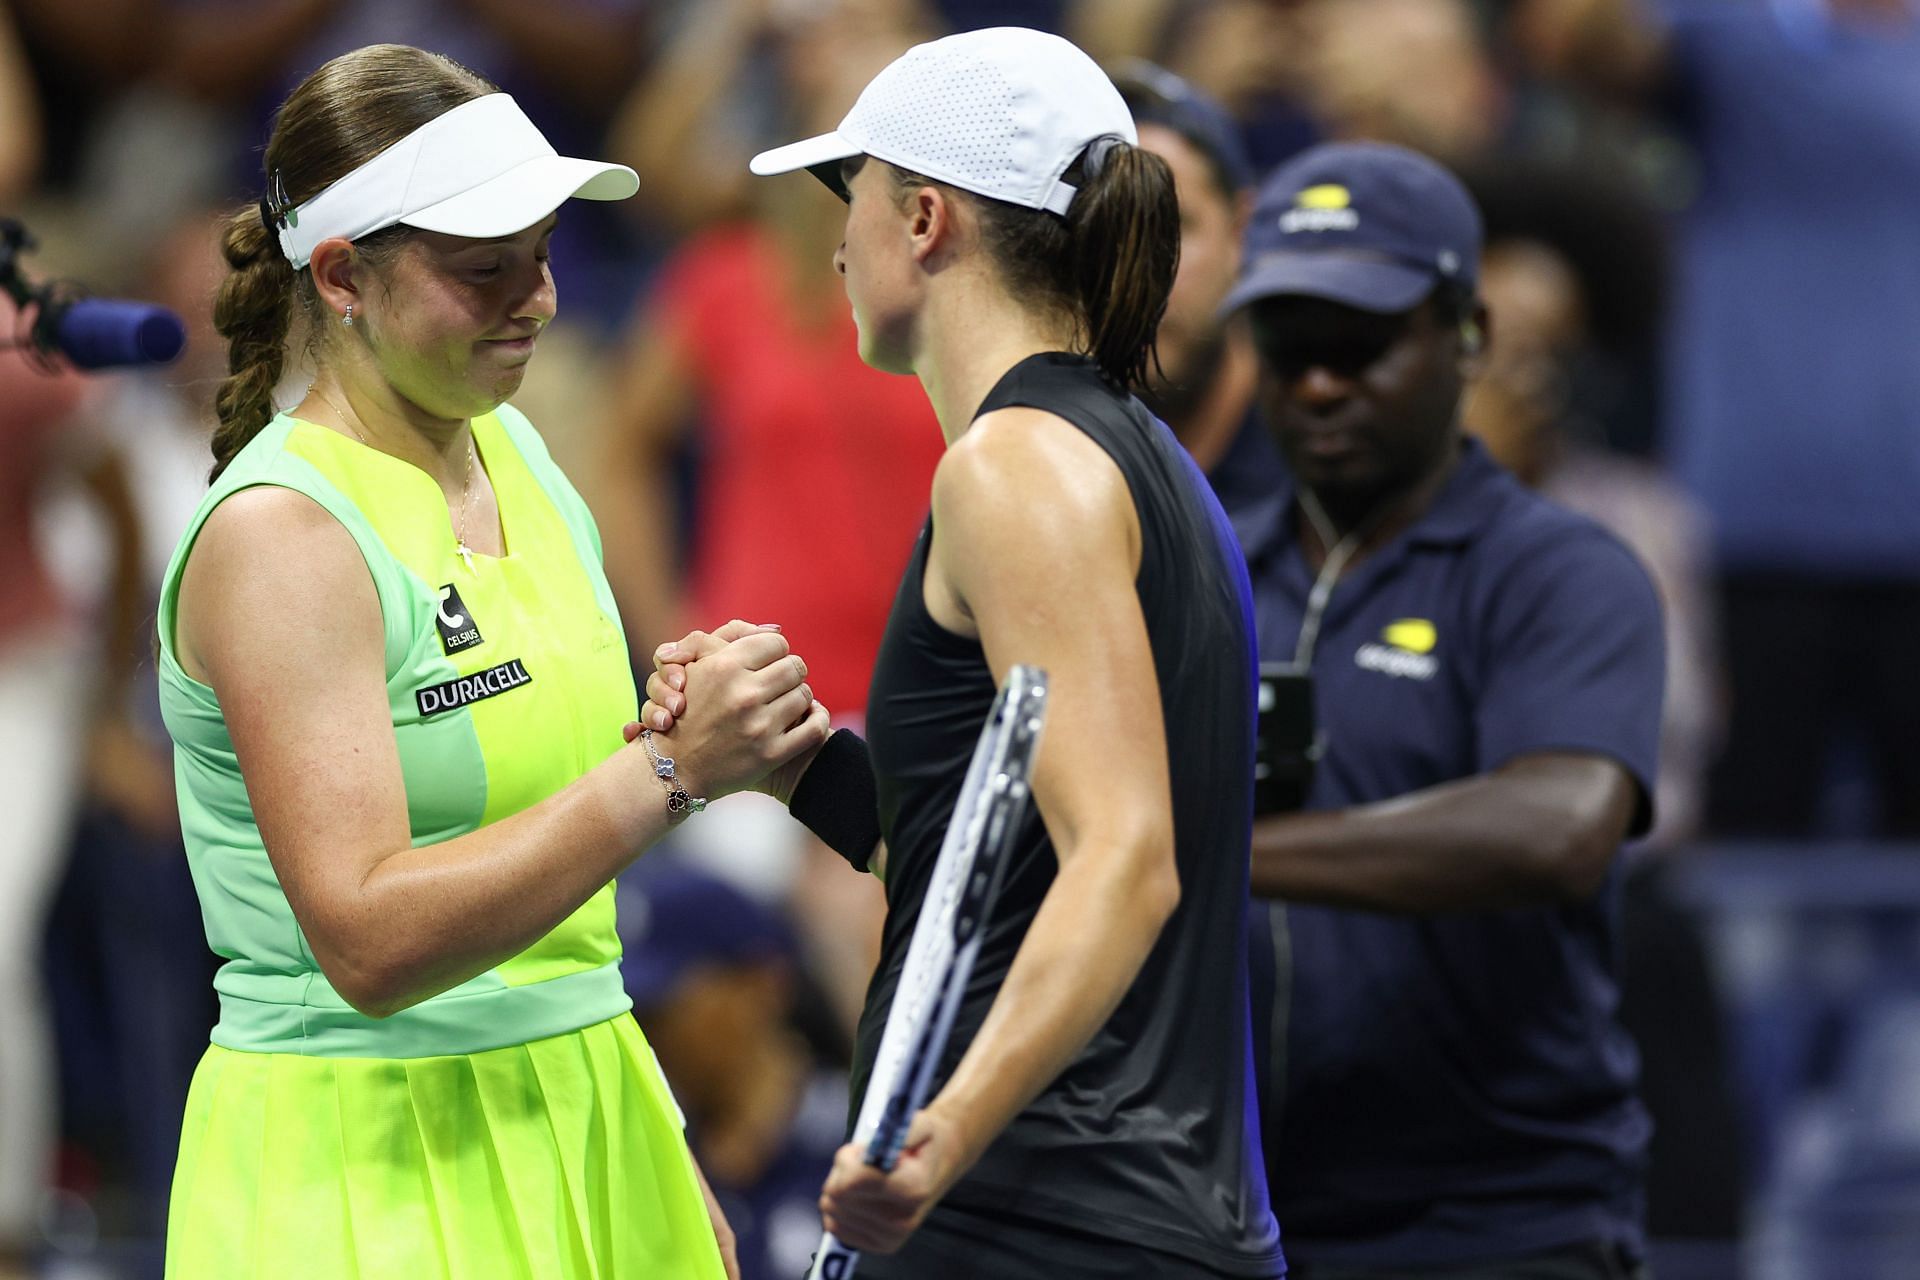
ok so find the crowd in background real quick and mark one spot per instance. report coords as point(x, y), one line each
point(1703, 266)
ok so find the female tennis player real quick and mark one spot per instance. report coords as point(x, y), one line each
point(396, 684)
point(1009, 245)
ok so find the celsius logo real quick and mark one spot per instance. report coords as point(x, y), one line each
point(458, 630)
point(1407, 653)
point(1327, 207)
point(467, 690)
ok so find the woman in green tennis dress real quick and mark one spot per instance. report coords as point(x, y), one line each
point(397, 684)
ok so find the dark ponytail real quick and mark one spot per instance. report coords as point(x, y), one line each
point(1107, 266)
point(252, 312)
point(1123, 230)
point(344, 114)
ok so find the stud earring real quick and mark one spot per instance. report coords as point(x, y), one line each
point(347, 319)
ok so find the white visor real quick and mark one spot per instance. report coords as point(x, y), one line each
point(480, 170)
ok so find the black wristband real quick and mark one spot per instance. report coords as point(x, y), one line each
point(838, 801)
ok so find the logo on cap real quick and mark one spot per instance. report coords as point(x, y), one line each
point(1327, 207)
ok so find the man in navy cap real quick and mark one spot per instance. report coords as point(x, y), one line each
point(1446, 1088)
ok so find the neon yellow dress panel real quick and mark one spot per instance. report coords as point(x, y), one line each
point(517, 1126)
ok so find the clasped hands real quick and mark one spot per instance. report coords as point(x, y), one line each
point(743, 719)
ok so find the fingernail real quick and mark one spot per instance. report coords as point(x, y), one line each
point(660, 721)
point(769, 626)
point(666, 653)
point(676, 681)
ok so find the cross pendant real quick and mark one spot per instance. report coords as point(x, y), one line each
point(465, 553)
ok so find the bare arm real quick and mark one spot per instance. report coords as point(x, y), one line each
point(1540, 830)
point(391, 925)
point(657, 129)
point(1019, 479)
point(631, 488)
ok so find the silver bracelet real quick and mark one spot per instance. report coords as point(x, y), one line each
point(680, 802)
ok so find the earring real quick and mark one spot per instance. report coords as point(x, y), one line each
point(347, 319)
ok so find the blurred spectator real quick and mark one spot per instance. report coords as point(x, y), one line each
point(160, 106)
point(1521, 408)
point(1415, 72)
point(1253, 56)
point(733, 78)
point(1210, 373)
point(1524, 407)
point(712, 975)
point(1793, 392)
point(129, 895)
point(53, 694)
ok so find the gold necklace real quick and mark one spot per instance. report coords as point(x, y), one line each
point(460, 547)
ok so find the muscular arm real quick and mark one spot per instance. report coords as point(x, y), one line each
point(1023, 479)
point(300, 678)
point(1542, 829)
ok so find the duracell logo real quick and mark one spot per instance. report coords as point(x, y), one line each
point(458, 630)
point(471, 689)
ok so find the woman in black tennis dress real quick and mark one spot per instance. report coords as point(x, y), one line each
point(1009, 245)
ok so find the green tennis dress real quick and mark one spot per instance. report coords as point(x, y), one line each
point(516, 1125)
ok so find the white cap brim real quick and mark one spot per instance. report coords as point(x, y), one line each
point(809, 153)
point(524, 194)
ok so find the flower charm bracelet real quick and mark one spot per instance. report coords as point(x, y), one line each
point(680, 802)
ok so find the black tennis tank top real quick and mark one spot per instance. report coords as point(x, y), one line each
point(1150, 1134)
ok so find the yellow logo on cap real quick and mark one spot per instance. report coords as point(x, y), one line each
point(1411, 635)
point(1325, 196)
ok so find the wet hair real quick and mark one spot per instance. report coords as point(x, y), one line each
point(1108, 265)
point(340, 117)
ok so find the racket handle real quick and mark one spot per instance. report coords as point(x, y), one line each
point(833, 1260)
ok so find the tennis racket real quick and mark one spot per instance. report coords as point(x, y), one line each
point(946, 940)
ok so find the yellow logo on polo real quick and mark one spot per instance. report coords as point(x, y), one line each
point(1326, 196)
point(1412, 635)
point(1327, 207)
point(1407, 653)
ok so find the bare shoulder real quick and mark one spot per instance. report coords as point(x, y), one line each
point(1035, 463)
point(274, 555)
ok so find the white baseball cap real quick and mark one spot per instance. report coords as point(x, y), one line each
point(480, 170)
point(1001, 112)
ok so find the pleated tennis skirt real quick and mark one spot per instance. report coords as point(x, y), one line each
point(560, 1159)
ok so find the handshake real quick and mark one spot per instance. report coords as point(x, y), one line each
point(732, 710)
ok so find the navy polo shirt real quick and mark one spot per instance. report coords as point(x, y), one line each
point(1456, 1087)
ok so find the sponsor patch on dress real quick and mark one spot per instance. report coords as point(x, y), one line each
point(467, 690)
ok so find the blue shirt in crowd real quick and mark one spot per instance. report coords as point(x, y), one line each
point(1794, 378)
point(1456, 1087)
